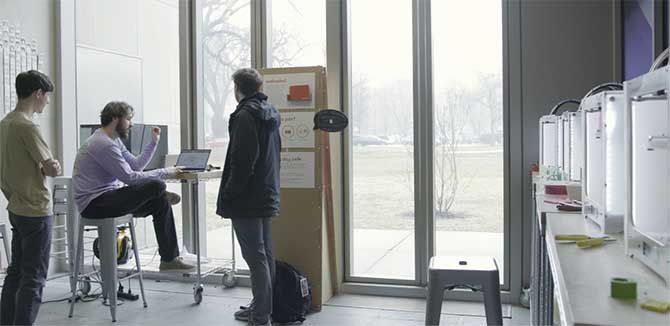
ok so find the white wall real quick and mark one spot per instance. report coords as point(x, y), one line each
point(109, 65)
point(128, 50)
point(37, 20)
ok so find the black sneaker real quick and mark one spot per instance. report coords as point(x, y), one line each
point(254, 322)
point(242, 314)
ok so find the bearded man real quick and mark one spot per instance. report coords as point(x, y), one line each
point(109, 181)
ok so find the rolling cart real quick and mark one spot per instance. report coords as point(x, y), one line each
point(227, 266)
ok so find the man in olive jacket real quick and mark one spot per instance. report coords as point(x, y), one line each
point(249, 190)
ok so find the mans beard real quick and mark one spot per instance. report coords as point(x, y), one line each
point(123, 133)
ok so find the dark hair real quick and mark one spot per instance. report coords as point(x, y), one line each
point(248, 81)
point(113, 110)
point(29, 81)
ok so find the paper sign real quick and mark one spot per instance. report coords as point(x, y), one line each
point(297, 129)
point(297, 170)
point(292, 91)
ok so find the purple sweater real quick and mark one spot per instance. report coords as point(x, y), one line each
point(102, 162)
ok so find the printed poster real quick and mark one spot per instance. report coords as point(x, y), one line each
point(297, 170)
point(291, 91)
point(297, 129)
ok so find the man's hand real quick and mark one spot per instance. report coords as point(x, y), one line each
point(155, 134)
point(174, 171)
point(51, 167)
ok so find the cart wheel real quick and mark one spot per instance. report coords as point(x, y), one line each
point(85, 285)
point(229, 280)
point(197, 294)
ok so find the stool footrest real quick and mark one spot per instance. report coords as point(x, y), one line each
point(474, 288)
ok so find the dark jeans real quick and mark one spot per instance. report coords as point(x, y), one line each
point(147, 198)
point(27, 272)
point(253, 234)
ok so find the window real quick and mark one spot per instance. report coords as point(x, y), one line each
point(382, 169)
point(226, 46)
point(468, 128)
point(292, 44)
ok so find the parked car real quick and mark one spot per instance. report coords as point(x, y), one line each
point(364, 140)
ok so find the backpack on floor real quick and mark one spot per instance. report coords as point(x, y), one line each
point(291, 295)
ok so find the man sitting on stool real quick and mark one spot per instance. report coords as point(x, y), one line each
point(103, 161)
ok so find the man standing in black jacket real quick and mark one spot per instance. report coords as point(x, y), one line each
point(249, 190)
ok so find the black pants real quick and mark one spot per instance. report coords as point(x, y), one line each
point(27, 272)
point(147, 198)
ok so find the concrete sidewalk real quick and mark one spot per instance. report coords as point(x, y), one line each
point(387, 253)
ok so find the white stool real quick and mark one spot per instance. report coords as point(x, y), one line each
point(107, 242)
point(5, 242)
point(476, 273)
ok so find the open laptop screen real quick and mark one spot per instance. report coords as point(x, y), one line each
point(193, 159)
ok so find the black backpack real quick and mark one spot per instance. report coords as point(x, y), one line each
point(291, 296)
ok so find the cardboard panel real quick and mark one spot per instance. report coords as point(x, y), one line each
point(298, 234)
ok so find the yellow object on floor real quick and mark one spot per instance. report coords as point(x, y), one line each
point(590, 243)
point(570, 237)
point(656, 306)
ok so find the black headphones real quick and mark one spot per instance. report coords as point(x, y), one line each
point(124, 246)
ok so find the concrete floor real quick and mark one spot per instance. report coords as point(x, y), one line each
point(380, 251)
point(171, 303)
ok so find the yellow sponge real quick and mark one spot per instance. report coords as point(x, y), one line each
point(657, 306)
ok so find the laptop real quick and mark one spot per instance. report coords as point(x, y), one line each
point(193, 160)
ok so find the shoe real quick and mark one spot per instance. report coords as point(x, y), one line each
point(172, 198)
point(176, 265)
point(242, 314)
point(258, 323)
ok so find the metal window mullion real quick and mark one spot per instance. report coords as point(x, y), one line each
point(347, 148)
point(516, 197)
point(192, 108)
point(424, 238)
point(506, 147)
point(261, 33)
point(335, 58)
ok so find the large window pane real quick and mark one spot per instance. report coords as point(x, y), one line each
point(226, 37)
point(468, 126)
point(298, 33)
point(381, 115)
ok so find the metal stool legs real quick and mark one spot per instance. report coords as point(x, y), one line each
point(137, 262)
point(492, 306)
point(5, 242)
point(434, 300)
point(78, 260)
point(107, 242)
point(108, 260)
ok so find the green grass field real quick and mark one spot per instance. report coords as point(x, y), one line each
point(383, 197)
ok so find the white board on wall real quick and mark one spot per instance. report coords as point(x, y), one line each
point(109, 24)
point(103, 77)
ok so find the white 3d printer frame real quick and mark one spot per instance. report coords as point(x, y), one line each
point(603, 184)
point(647, 166)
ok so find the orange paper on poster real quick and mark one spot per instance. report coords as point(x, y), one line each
point(298, 93)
